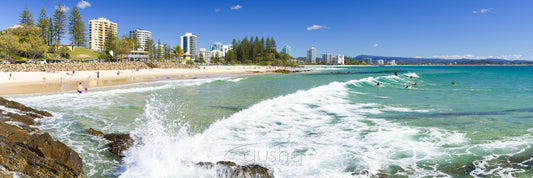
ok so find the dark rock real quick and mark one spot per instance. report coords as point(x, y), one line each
point(458, 169)
point(523, 157)
point(207, 165)
point(119, 143)
point(91, 131)
point(37, 155)
point(284, 71)
point(231, 169)
point(16, 105)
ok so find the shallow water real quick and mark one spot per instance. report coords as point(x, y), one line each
point(333, 122)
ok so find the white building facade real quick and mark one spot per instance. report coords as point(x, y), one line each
point(142, 36)
point(328, 58)
point(311, 54)
point(188, 44)
point(98, 31)
point(339, 59)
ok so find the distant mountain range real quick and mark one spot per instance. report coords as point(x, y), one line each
point(419, 61)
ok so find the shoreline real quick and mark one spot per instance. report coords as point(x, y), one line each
point(65, 81)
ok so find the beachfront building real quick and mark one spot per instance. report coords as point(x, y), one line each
point(286, 50)
point(142, 36)
point(328, 58)
point(161, 48)
point(188, 44)
point(311, 54)
point(226, 48)
point(135, 55)
point(217, 46)
point(380, 61)
point(98, 30)
point(339, 59)
point(368, 61)
point(203, 52)
point(392, 62)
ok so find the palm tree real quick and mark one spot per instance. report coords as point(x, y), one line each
point(177, 51)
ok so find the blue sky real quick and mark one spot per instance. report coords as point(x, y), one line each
point(407, 28)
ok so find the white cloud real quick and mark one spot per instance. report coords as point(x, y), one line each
point(217, 10)
point(236, 7)
point(469, 56)
point(316, 27)
point(482, 11)
point(375, 45)
point(63, 8)
point(83, 4)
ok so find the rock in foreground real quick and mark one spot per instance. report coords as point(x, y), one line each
point(32, 154)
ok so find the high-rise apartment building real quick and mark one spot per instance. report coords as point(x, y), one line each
point(188, 44)
point(142, 36)
point(216, 46)
point(286, 50)
point(339, 59)
point(368, 61)
point(311, 54)
point(328, 58)
point(98, 30)
point(226, 48)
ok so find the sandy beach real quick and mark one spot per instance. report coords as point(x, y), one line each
point(67, 81)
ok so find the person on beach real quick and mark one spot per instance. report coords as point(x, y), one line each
point(80, 88)
point(98, 74)
point(85, 91)
point(9, 76)
point(73, 72)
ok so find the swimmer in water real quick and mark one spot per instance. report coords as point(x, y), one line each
point(453, 83)
point(378, 84)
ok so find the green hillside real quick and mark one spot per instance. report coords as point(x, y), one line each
point(83, 53)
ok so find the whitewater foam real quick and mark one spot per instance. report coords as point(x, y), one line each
point(317, 132)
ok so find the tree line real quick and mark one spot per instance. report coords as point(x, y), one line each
point(121, 46)
point(32, 38)
point(257, 51)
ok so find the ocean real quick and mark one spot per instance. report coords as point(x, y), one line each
point(332, 122)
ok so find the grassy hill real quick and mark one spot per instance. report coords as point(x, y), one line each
point(83, 53)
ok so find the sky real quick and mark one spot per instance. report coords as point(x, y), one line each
point(452, 29)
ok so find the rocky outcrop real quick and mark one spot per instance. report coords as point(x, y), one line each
point(118, 142)
point(285, 71)
point(24, 151)
point(29, 111)
point(231, 169)
point(91, 131)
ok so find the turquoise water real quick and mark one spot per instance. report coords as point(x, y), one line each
point(333, 122)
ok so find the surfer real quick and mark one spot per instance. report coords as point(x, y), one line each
point(407, 86)
point(377, 84)
point(395, 74)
